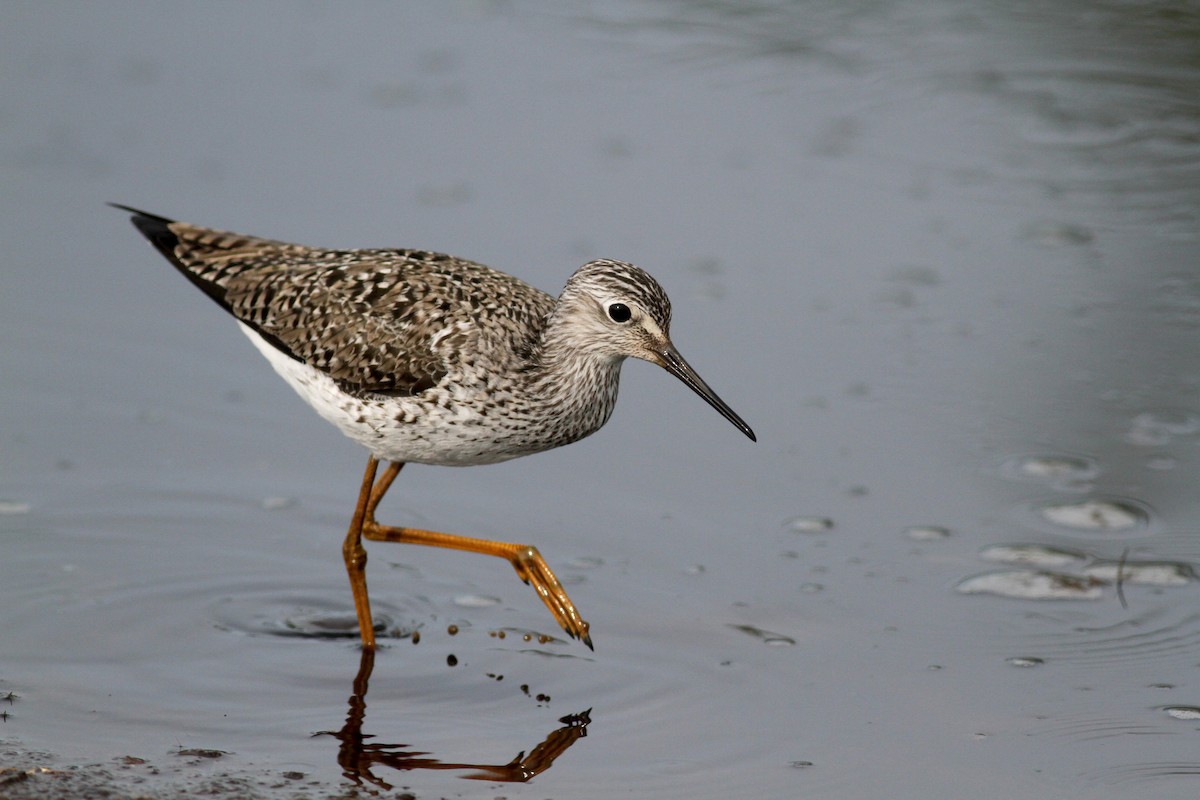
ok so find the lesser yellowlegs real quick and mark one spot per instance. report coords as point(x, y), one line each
point(430, 358)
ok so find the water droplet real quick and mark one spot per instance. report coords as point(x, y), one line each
point(1033, 585)
point(809, 524)
point(926, 533)
point(586, 562)
point(476, 601)
point(1024, 662)
point(1097, 514)
point(1035, 555)
point(694, 569)
point(1183, 712)
point(812, 588)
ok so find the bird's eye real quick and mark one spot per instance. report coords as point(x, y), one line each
point(619, 312)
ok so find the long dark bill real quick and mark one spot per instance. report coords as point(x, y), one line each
point(675, 364)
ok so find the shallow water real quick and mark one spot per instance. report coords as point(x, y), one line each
point(941, 258)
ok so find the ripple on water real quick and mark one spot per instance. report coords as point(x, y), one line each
point(1090, 727)
point(1124, 773)
point(282, 613)
point(1151, 637)
point(1159, 428)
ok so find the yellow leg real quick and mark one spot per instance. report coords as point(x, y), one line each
point(355, 556)
point(526, 560)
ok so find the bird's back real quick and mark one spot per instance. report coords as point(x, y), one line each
point(392, 322)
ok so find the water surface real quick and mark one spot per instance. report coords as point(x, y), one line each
point(941, 257)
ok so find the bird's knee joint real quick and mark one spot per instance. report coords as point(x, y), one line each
point(355, 555)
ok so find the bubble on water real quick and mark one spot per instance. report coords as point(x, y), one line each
point(1034, 555)
point(1034, 585)
point(1183, 712)
point(1098, 514)
point(1145, 573)
point(476, 601)
point(809, 524)
point(1024, 662)
point(926, 533)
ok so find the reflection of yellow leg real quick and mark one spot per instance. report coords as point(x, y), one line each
point(360, 753)
point(529, 564)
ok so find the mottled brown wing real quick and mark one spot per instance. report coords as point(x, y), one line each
point(346, 313)
point(322, 315)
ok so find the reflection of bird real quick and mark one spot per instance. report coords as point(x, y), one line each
point(429, 358)
point(359, 757)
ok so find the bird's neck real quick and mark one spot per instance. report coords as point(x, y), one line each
point(574, 382)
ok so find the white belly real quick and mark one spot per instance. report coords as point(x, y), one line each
point(406, 429)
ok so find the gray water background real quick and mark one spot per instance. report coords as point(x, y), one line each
point(941, 256)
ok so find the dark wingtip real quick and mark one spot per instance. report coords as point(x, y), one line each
point(138, 213)
point(155, 228)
